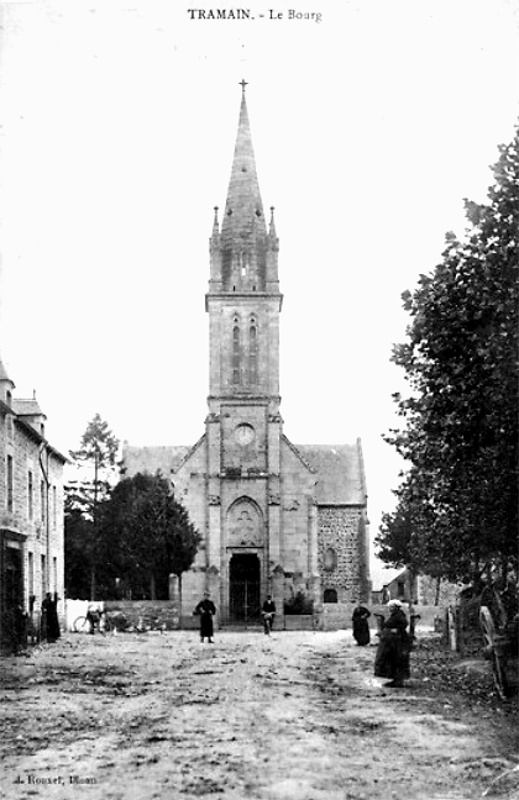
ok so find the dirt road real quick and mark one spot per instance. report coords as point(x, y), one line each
point(294, 715)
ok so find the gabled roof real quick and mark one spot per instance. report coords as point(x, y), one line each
point(27, 408)
point(160, 458)
point(340, 473)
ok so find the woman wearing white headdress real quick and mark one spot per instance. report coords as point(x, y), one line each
point(394, 647)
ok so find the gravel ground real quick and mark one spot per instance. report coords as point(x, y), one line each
point(294, 715)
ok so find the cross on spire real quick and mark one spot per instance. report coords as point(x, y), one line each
point(243, 84)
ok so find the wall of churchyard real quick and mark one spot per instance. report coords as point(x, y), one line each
point(340, 553)
point(144, 614)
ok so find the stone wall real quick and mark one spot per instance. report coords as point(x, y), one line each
point(36, 515)
point(337, 616)
point(149, 614)
point(340, 552)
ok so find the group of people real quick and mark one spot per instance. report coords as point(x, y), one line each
point(206, 610)
point(394, 647)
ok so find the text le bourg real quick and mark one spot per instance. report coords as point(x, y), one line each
point(248, 14)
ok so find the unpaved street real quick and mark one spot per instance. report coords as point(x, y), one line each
point(294, 715)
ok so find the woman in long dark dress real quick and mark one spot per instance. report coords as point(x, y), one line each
point(360, 623)
point(394, 647)
point(206, 610)
point(50, 623)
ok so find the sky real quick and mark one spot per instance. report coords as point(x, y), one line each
point(119, 120)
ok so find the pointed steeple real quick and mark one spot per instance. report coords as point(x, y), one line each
point(243, 216)
point(243, 243)
point(243, 252)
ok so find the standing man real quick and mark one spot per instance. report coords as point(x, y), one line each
point(206, 610)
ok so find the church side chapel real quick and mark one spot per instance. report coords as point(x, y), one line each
point(277, 518)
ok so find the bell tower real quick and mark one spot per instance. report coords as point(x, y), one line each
point(243, 426)
point(243, 300)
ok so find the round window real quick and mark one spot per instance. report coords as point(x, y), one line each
point(245, 434)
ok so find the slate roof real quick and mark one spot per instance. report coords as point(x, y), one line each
point(243, 209)
point(340, 472)
point(27, 408)
point(339, 468)
point(162, 458)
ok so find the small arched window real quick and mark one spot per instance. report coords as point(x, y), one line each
point(330, 596)
point(330, 559)
point(236, 353)
point(244, 264)
point(253, 352)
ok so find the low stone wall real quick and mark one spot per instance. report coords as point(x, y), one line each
point(337, 616)
point(300, 622)
point(150, 614)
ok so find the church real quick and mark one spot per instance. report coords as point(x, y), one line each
point(276, 518)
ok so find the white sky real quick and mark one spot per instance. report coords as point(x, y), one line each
point(118, 129)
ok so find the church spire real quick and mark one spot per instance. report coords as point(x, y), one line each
point(243, 252)
point(243, 215)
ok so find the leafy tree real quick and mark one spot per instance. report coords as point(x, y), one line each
point(78, 552)
point(457, 510)
point(146, 536)
point(96, 460)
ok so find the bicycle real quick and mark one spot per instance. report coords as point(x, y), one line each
point(268, 622)
point(93, 619)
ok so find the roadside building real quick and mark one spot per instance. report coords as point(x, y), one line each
point(418, 589)
point(31, 513)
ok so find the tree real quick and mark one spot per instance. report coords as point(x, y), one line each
point(146, 535)
point(96, 459)
point(457, 510)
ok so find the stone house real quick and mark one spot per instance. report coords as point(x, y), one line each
point(276, 517)
point(31, 510)
point(419, 589)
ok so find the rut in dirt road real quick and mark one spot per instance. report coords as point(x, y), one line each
point(294, 715)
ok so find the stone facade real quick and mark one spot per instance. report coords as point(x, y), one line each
point(31, 510)
point(420, 589)
point(342, 553)
point(268, 509)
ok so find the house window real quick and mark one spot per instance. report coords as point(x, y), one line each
point(54, 507)
point(9, 484)
point(30, 569)
point(43, 577)
point(330, 596)
point(30, 495)
point(42, 500)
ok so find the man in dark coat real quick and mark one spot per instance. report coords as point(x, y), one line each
point(206, 610)
point(393, 651)
point(360, 623)
point(49, 616)
point(268, 613)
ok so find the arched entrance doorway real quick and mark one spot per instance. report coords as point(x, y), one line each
point(244, 587)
